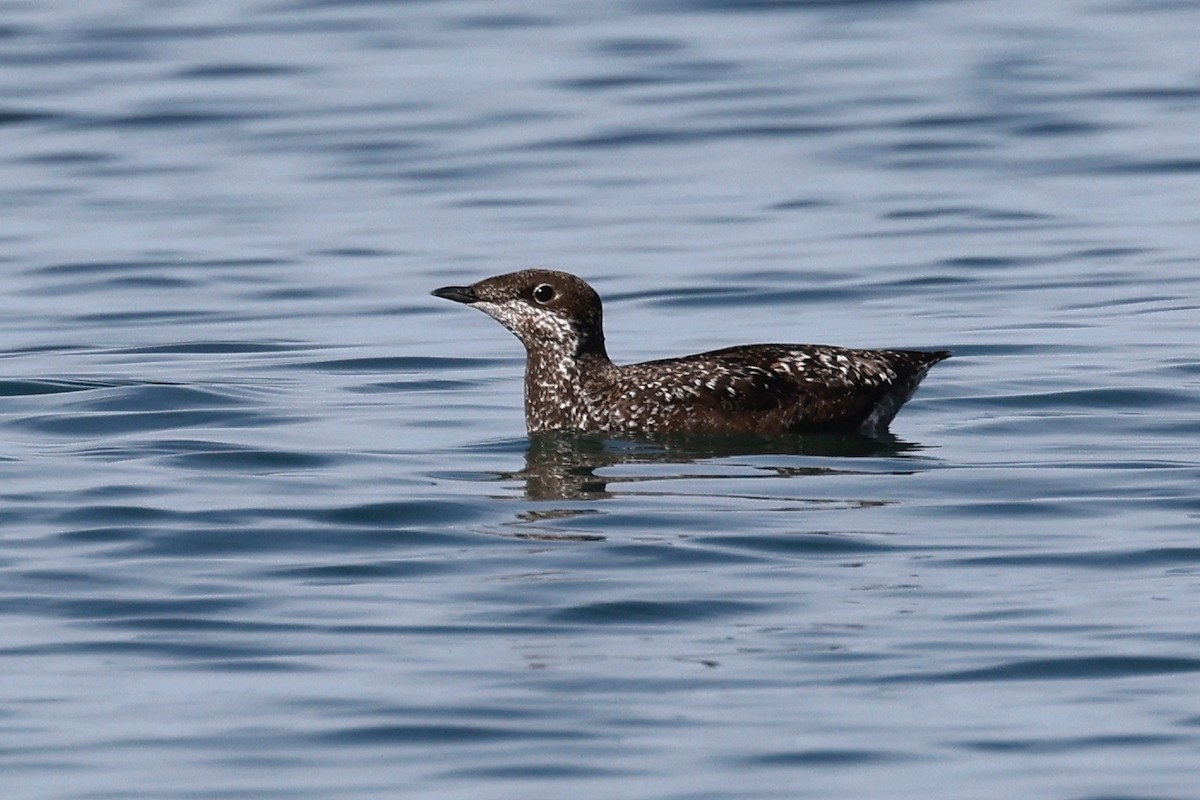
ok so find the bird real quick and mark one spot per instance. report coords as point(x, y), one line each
point(571, 384)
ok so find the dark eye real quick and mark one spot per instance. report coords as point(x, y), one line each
point(544, 293)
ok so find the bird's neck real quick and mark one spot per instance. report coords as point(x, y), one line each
point(557, 382)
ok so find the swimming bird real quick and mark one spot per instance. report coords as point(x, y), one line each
point(571, 384)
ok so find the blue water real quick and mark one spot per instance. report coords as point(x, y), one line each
point(271, 526)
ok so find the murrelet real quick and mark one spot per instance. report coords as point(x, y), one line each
point(571, 384)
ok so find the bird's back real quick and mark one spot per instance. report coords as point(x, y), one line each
point(765, 388)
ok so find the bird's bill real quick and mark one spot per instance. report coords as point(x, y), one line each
point(459, 294)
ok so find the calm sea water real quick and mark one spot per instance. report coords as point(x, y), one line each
point(271, 523)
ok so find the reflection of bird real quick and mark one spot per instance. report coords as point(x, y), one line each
point(561, 465)
point(570, 383)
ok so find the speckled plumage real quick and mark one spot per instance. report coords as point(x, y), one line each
point(570, 383)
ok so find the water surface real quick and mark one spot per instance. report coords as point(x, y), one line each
point(271, 523)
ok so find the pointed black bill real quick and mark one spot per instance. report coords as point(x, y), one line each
point(459, 294)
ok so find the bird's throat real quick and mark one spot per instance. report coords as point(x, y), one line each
point(557, 383)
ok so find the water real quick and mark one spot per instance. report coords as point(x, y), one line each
point(271, 524)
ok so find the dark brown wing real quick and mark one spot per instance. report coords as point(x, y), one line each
point(770, 388)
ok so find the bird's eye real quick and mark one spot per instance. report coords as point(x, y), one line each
point(544, 293)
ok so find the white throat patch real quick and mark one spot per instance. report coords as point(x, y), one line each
point(531, 324)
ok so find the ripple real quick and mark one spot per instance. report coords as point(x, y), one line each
point(1069, 745)
point(422, 734)
point(228, 70)
point(1084, 668)
point(1107, 559)
point(247, 459)
point(357, 573)
point(642, 612)
point(102, 425)
point(392, 364)
point(19, 388)
point(246, 539)
point(77, 269)
point(839, 543)
point(215, 348)
point(540, 771)
point(410, 513)
point(823, 758)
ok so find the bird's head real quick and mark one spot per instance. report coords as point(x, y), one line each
point(543, 308)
